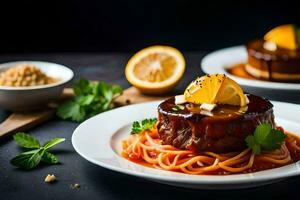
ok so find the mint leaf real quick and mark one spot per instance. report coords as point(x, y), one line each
point(53, 142)
point(265, 138)
point(28, 160)
point(261, 132)
point(251, 143)
point(49, 158)
point(274, 140)
point(26, 141)
point(31, 151)
point(31, 159)
point(146, 124)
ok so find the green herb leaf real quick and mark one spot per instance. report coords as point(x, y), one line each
point(26, 141)
point(82, 87)
point(261, 132)
point(274, 140)
point(28, 160)
point(53, 142)
point(85, 100)
point(250, 140)
point(71, 110)
point(265, 138)
point(178, 107)
point(31, 159)
point(90, 99)
point(146, 124)
point(49, 158)
point(116, 89)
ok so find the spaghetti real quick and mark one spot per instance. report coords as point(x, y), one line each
point(146, 148)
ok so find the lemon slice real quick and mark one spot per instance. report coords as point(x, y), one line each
point(215, 89)
point(156, 69)
point(284, 36)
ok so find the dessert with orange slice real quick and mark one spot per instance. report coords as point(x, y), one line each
point(276, 57)
point(214, 114)
point(156, 69)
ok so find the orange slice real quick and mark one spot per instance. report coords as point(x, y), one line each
point(215, 89)
point(283, 36)
point(231, 93)
point(156, 69)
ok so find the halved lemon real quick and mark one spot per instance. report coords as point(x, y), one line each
point(156, 69)
point(215, 89)
point(284, 36)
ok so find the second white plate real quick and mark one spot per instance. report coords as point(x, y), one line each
point(218, 61)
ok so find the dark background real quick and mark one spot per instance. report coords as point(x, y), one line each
point(29, 26)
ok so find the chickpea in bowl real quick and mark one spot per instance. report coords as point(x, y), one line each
point(28, 85)
point(23, 75)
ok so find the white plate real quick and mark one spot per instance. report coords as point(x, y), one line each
point(218, 61)
point(98, 140)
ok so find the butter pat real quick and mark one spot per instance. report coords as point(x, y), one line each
point(179, 99)
point(207, 106)
point(271, 46)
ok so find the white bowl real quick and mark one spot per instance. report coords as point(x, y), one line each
point(32, 97)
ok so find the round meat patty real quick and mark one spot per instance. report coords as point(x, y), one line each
point(221, 131)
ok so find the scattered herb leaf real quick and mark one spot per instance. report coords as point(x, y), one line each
point(53, 142)
point(26, 141)
point(265, 138)
point(30, 159)
point(146, 124)
point(90, 99)
point(49, 158)
point(178, 107)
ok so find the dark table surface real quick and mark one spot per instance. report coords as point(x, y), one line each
point(100, 183)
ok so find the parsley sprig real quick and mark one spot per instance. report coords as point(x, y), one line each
point(36, 153)
point(265, 138)
point(90, 99)
point(146, 124)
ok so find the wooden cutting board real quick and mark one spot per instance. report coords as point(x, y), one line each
point(23, 121)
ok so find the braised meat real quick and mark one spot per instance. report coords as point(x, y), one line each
point(221, 131)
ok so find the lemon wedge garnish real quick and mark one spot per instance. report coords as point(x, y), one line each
point(215, 89)
point(156, 69)
point(284, 36)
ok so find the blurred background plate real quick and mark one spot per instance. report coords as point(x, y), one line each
point(219, 61)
